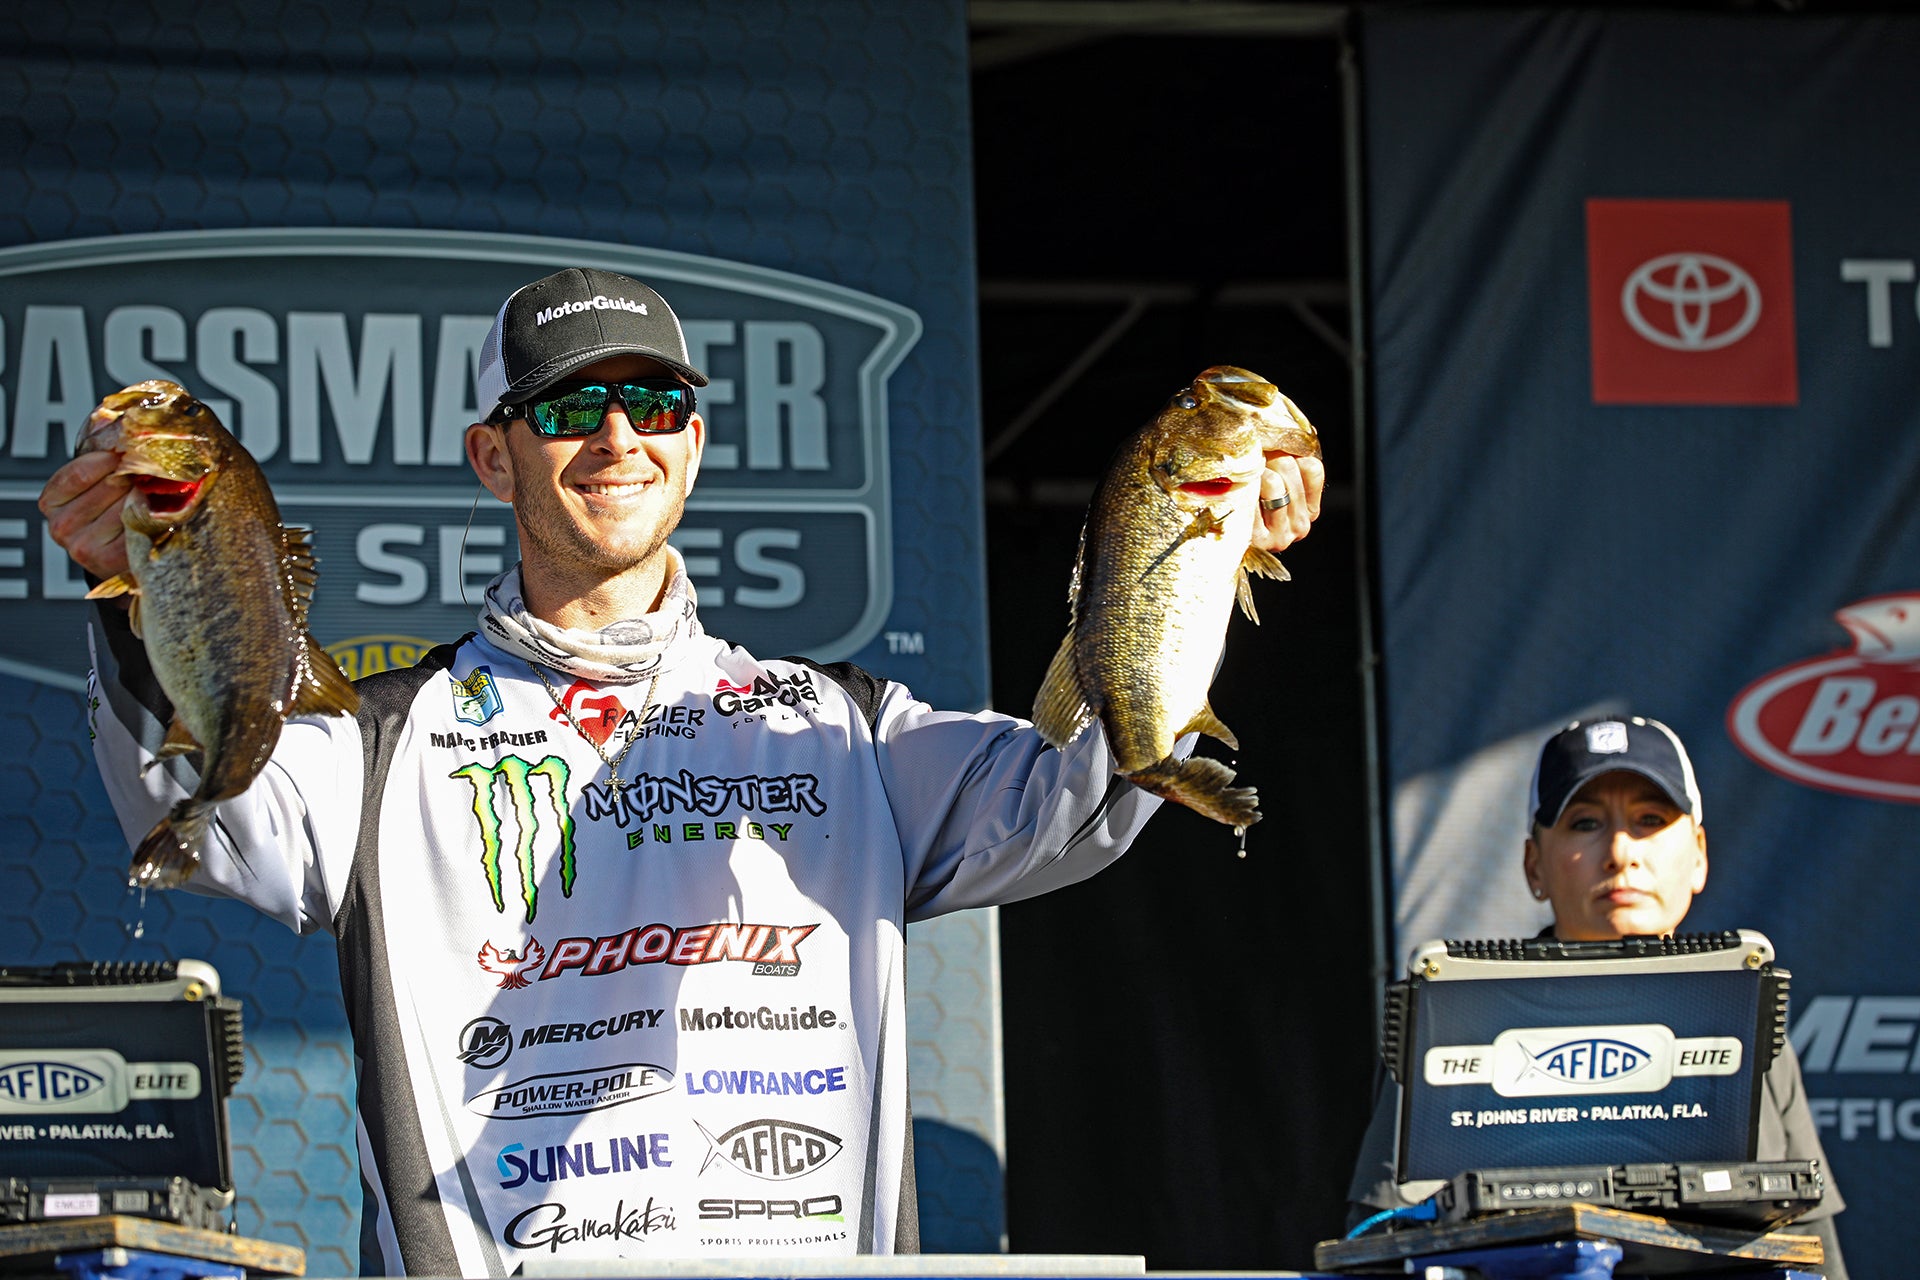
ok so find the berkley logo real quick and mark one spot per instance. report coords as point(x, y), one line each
point(342, 357)
point(1844, 721)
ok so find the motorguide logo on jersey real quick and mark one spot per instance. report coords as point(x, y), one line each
point(1691, 302)
point(1543, 1062)
point(571, 1093)
point(1844, 721)
point(772, 1150)
point(343, 359)
point(87, 1081)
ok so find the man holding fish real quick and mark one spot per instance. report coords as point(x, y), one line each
point(710, 925)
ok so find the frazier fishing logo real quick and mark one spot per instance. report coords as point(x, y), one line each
point(602, 717)
point(1844, 721)
point(505, 795)
point(771, 1150)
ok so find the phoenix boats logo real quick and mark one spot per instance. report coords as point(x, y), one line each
point(512, 966)
point(1691, 301)
point(508, 805)
point(772, 1150)
point(1844, 721)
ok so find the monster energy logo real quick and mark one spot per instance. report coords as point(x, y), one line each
point(511, 780)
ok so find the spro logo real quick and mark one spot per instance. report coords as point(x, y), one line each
point(343, 359)
point(1539, 1062)
point(512, 799)
point(1691, 302)
point(1844, 721)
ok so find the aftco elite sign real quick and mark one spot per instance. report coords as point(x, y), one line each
point(343, 359)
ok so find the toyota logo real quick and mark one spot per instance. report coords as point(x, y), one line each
point(1691, 302)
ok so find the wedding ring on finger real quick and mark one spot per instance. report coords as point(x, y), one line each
point(1274, 504)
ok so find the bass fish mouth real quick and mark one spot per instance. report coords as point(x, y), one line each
point(167, 497)
point(1218, 487)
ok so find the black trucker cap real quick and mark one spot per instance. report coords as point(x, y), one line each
point(570, 319)
point(1586, 749)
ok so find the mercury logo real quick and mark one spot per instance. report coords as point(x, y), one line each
point(1691, 302)
point(598, 302)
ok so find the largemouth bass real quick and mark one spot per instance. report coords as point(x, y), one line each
point(1167, 548)
point(220, 591)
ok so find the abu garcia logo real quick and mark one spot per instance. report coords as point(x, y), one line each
point(764, 691)
point(508, 804)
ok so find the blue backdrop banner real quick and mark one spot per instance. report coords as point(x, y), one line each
point(1646, 424)
point(308, 215)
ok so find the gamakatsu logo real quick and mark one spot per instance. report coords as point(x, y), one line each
point(506, 790)
point(598, 302)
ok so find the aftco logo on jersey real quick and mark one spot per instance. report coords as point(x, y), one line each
point(773, 1150)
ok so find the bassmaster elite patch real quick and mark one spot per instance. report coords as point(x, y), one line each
point(1539, 1062)
point(476, 700)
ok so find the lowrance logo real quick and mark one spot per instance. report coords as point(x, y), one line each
point(87, 1081)
point(598, 302)
point(571, 1093)
point(1537, 1062)
point(1847, 721)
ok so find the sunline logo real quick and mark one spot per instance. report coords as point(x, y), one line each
point(598, 302)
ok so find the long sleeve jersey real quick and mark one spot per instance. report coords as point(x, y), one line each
point(662, 1018)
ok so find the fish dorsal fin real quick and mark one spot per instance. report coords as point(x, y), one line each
point(297, 570)
point(1060, 711)
point(323, 690)
point(1204, 721)
point(1079, 567)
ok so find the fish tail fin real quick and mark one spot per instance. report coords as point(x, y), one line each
point(166, 858)
point(325, 690)
point(1061, 711)
point(1201, 784)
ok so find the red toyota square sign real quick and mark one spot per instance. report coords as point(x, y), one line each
point(1691, 301)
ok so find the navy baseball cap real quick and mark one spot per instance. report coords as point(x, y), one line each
point(1586, 749)
point(570, 319)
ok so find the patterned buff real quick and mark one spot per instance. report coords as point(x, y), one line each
point(623, 653)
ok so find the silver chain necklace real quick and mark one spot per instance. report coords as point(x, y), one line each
point(612, 762)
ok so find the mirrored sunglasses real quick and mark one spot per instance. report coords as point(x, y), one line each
point(655, 406)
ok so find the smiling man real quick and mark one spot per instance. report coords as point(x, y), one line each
point(621, 906)
point(1615, 847)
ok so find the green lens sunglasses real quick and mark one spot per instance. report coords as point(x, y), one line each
point(655, 406)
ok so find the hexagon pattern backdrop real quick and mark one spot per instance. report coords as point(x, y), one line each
point(825, 140)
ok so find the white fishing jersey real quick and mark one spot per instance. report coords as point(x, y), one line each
point(665, 1018)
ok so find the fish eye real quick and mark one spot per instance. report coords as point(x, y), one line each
point(191, 408)
point(1186, 400)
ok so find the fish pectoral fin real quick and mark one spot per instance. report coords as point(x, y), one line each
point(1204, 522)
point(120, 584)
point(324, 691)
point(1061, 710)
point(178, 742)
point(1205, 721)
point(1264, 563)
point(1243, 589)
